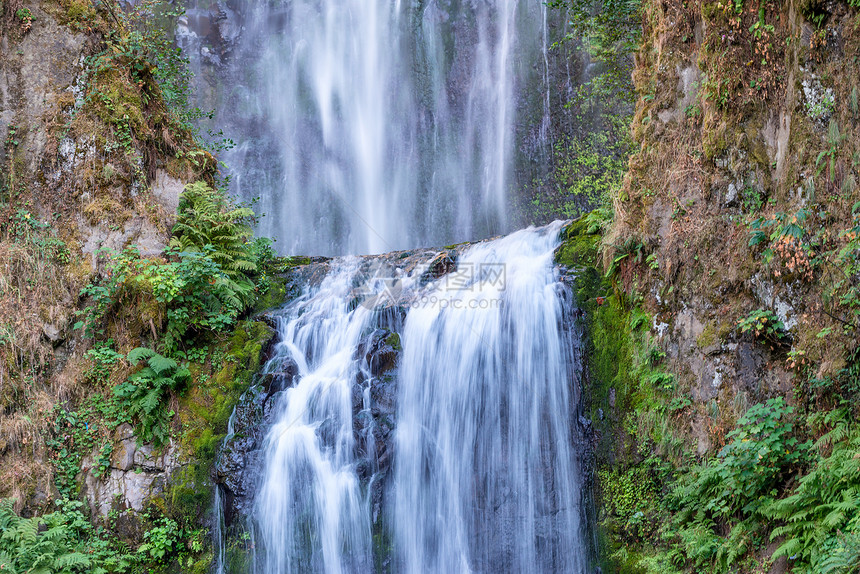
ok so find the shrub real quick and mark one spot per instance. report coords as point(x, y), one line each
point(765, 326)
point(822, 517)
point(180, 296)
point(729, 493)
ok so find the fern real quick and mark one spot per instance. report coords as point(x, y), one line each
point(23, 548)
point(729, 492)
point(142, 395)
point(206, 216)
point(825, 502)
point(135, 355)
point(845, 558)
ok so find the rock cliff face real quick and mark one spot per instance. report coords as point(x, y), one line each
point(88, 161)
point(735, 109)
point(733, 257)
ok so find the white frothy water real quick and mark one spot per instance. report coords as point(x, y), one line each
point(485, 476)
point(487, 479)
point(310, 514)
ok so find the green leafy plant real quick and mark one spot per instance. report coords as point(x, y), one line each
point(144, 392)
point(39, 544)
point(162, 541)
point(186, 294)
point(104, 359)
point(628, 497)
point(821, 519)
point(26, 18)
point(764, 325)
point(610, 28)
point(752, 199)
point(788, 241)
point(731, 492)
point(844, 557)
point(207, 216)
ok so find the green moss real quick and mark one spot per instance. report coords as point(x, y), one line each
point(578, 248)
point(394, 340)
point(205, 409)
point(274, 296)
point(202, 565)
point(628, 501)
point(291, 262)
point(79, 12)
point(708, 337)
point(714, 142)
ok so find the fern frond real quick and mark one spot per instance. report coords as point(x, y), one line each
point(73, 560)
point(161, 364)
point(135, 355)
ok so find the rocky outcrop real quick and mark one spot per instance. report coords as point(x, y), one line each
point(135, 474)
point(738, 109)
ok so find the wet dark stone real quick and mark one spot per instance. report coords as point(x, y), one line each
point(749, 364)
point(240, 453)
point(380, 350)
point(440, 265)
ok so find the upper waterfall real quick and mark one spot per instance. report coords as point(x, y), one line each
point(367, 126)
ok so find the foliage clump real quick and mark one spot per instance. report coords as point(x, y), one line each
point(65, 542)
point(144, 392)
point(202, 283)
point(718, 508)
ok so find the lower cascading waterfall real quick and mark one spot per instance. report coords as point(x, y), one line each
point(485, 465)
point(486, 478)
point(311, 515)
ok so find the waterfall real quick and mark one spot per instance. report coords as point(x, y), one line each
point(366, 126)
point(486, 473)
point(310, 513)
point(481, 470)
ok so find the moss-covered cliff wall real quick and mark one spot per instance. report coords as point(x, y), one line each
point(725, 345)
point(119, 366)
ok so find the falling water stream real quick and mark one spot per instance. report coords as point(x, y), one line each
point(486, 473)
point(366, 126)
point(486, 477)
